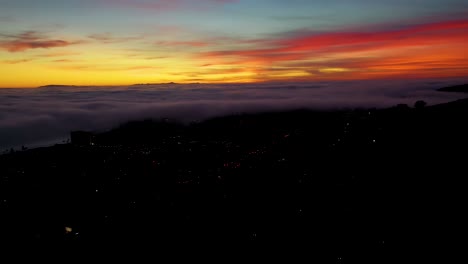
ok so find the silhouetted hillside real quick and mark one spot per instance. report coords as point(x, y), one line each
point(456, 89)
point(347, 184)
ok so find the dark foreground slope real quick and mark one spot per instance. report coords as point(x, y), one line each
point(455, 89)
point(361, 186)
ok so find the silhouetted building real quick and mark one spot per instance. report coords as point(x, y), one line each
point(82, 138)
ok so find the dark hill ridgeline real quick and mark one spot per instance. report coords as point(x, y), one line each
point(455, 89)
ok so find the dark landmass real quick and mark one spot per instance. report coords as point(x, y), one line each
point(361, 186)
point(149, 84)
point(455, 89)
point(60, 86)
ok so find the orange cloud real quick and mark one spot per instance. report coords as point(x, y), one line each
point(425, 50)
point(445, 32)
point(416, 49)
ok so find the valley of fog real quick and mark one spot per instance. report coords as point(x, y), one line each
point(44, 116)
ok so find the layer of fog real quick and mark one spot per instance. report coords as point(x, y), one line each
point(32, 117)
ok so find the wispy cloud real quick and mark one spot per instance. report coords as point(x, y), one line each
point(370, 51)
point(182, 43)
point(77, 65)
point(111, 38)
point(59, 54)
point(16, 61)
point(165, 5)
point(31, 40)
point(302, 46)
point(157, 58)
point(65, 61)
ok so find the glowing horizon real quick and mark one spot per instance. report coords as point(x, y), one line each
point(125, 42)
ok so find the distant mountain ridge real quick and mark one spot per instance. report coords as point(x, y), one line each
point(146, 84)
point(65, 86)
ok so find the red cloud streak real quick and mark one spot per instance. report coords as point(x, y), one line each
point(15, 46)
point(433, 46)
point(30, 40)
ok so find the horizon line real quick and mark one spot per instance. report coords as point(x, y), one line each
point(236, 83)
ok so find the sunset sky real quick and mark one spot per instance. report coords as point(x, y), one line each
point(122, 42)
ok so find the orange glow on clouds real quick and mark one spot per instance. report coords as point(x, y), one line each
point(437, 49)
point(429, 50)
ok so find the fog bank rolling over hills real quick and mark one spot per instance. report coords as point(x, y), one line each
point(33, 117)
